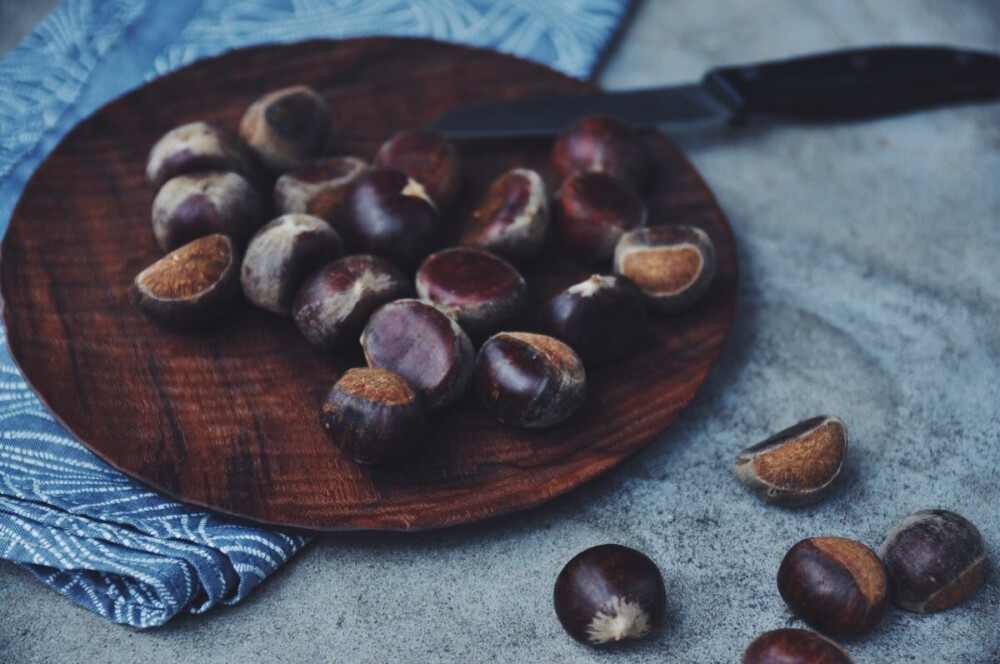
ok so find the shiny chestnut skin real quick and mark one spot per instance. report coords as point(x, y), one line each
point(391, 216)
point(334, 302)
point(934, 558)
point(609, 593)
point(191, 286)
point(322, 189)
point(373, 415)
point(425, 346)
point(197, 147)
point(427, 157)
point(835, 584)
point(480, 290)
point(672, 265)
point(513, 217)
point(592, 211)
point(600, 317)
point(287, 128)
point(604, 145)
point(191, 206)
point(529, 380)
point(794, 646)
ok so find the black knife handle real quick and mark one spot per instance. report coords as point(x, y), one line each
point(857, 83)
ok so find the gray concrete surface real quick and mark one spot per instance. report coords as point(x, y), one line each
point(870, 258)
point(18, 18)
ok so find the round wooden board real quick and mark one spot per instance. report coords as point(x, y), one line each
point(227, 418)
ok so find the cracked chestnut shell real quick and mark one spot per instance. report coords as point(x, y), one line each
point(837, 585)
point(934, 558)
point(191, 286)
point(609, 593)
point(191, 206)
point(604, 145)
point(672, 265)
point(287, 128)
point(794, 646)
point(592, 211)
point(513, 217)
point(197, 147)
point(322, 189)
point(373, 415)
point(427, 157)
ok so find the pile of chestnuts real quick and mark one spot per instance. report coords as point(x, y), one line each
point(335, 252)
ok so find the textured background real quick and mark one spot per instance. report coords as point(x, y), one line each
point(870, 289)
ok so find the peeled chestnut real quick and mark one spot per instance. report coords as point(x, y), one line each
point(334, 303)
point(837, 585)
point(196, 147)
point(794, 646)
point(190, 286)
point(479, 289)
point(609, 593)
point(391, 216)
point(513, 217)
point(191, 206)
point(592, 211)
point(287, 128)
point(604, 145)
point(425, 346)
point(672, 265)
point(529, 380)
point(796, 466)
point(600, 318)
point(373, 416)
point(322, 189)
point(427, 157)
point(934, 558)
point(281, 255)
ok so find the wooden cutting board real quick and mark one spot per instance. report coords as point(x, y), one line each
point(227, 418)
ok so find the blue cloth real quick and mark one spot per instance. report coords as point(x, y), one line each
point(82, 527)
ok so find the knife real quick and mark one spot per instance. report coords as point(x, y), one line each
point(839, 85)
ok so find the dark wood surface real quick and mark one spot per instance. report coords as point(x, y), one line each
point(227, 418)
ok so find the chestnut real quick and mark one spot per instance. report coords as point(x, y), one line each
point(196, 147)
point(835, 584)
point(609, 593)
point(600, 317)
point(280, 256)
point(672, 265)
point(605, 145)
point(391, 216)
point(334, 302)
point(794, 646)
point(423, 345)
point(322, 189)
point(479, 289)
point(190, 206)
point(287, 128)
point(191, 286)
point(427, 157)
point(513, 217)
point(592, 211)
point(934, 558)
point(529, 380)
point(373, 416)
point(796, 466)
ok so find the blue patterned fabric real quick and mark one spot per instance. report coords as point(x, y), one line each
point(82, 527)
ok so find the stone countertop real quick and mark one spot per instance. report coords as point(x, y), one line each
point(870, 289)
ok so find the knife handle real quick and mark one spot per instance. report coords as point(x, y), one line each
point(857, 83)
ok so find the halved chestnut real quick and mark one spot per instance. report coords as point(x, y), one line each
point(672, 265)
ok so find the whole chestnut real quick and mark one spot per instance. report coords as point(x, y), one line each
point(322, 189)
point(672, 265)
point(609, 593)
point(196, 147)
point(423, 345)
point(287, 128)
point(391, 216)
point(604, 145)
point(280, 256)
point(529, 380)
point(934, 558)
point(513, 217)
point(600, 317)
point(794, 646)
point(592, 211)
point(373, 416)
point(835, 584)
point(427, 157)
point(479, 289)
point(334, 303)
point(191, 206)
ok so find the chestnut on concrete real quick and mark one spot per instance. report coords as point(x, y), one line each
point(794, 646)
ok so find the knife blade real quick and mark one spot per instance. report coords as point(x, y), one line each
point(839, 85)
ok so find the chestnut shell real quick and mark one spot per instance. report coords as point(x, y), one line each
point(794, 646)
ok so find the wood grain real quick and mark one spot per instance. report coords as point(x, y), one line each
point(227, 418)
